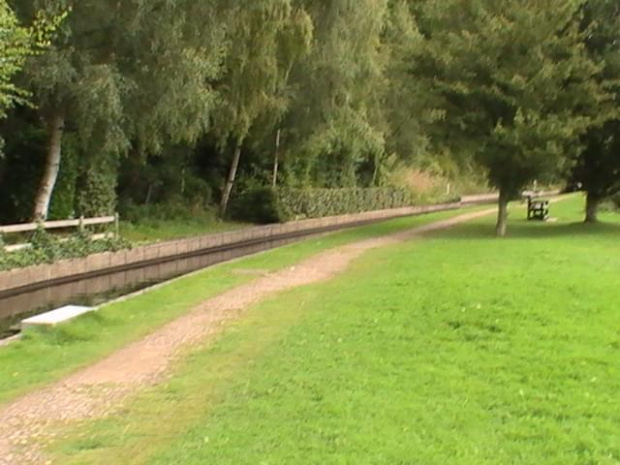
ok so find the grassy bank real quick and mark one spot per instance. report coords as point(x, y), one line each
point(156, 231)
point(456, 349)
point(43, 356)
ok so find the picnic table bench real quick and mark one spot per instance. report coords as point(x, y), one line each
point(537, 209)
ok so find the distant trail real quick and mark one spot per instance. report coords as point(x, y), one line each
point(98, 390)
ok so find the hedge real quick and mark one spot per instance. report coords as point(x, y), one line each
point(267, 205)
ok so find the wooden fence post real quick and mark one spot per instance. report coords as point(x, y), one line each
point(117, 219)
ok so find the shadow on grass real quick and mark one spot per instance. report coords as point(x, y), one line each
point(522, 229)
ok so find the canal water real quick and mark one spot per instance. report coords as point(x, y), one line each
point(94, 291)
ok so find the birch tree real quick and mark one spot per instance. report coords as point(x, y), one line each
point(123, 74)
point(336, 121)
point(266, 38)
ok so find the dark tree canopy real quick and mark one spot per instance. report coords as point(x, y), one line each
point(513, 85)
point(597, 167)
point(185, 104)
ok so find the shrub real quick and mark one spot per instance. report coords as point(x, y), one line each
point(175, 209)
point(266, 205)
point(257, 205)
point(97, 196)
point(46, 248)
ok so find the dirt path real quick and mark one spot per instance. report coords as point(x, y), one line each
point(97, 390)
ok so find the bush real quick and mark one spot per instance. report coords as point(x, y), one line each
point(257, 205)
point(266, 205)
point(46, 248)
point(176, 209)
point(97, 195)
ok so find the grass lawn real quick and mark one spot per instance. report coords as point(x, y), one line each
point(458, 349)
point(155, 231)
point(42, 357)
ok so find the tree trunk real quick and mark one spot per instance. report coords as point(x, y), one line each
point(375, 172)
point(502, 215)
point(149, 193)
point(276, 160)
point(230, 183)
point(592, 204)
point(55, 127)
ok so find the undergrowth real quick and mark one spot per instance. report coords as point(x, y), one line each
point(47, 248)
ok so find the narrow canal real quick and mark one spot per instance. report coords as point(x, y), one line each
point(97, 290)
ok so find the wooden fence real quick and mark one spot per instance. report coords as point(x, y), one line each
point(79, 223)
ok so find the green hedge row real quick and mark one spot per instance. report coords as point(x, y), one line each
point(266, 205)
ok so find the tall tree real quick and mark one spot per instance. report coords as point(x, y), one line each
point(406, 100)
point(15, 46)
point(598, 166)
point(17, 43)
point(336, 124)
point(123, 74)
point(512, 82)
point(266, 38)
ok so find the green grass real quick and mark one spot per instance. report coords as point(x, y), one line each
point(155, 231)
point(458, 348)
point(42, 357)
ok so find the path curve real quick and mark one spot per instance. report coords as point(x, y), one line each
point(97, 390)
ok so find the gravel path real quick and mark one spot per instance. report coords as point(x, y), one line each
point(29, 422)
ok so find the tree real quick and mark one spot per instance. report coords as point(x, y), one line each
point(17, 43)
point(597, 167)
point(15, 46)
point(123, 75)
point(406, 100)
point(266, 38)
point(512, 84)
point(336, 125)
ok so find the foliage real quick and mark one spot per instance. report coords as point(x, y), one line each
point(171, 179)
point(597, 167)
point(512, 83)
point(20, 168)
point(47, 248)
point(122, 94)
point(15, 46)
point(316, 203)
point(266, 205)
point(266, 40)
point(17, 43)
point(174, 210)
point(97, 196)
point(334, 127)
point(200, 224)
point(257, 205)
point(63, 203)
point(153, 101)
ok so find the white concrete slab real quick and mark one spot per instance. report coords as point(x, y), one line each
point(57, 316)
